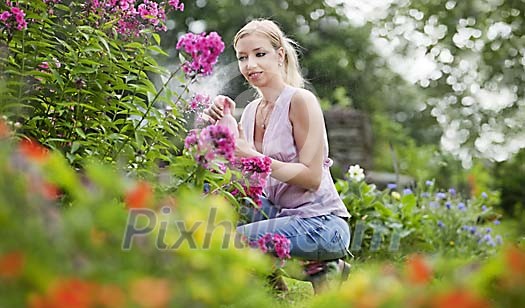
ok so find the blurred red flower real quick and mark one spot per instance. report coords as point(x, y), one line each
point(33, 150)
point(49, 191)
point(78, 293)
point(459, 298)
point(139, 196)
point(516, 260)
point(11, 264)
point(66, 293)
point(418, 271)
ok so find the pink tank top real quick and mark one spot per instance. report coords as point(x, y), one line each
point(278, 143)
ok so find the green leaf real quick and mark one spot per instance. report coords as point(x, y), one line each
point(409, 202)
point(80, 132)
point(156, 37)
point(383, 210)
point(158, 50)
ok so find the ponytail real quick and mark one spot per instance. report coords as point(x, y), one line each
point(292, 70)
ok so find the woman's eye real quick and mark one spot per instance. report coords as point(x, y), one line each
point(242, 58)
point(260, 54)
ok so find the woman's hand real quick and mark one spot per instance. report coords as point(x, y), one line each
point(215, 111)
point(242, 147)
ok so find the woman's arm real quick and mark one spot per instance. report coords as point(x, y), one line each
point(308, 131)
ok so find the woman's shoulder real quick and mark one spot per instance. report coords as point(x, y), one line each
point(303, 96)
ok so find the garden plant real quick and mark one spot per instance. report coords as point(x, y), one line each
point(114, 193)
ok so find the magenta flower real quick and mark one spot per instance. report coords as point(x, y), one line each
point(131, 17)
point(275, 243)
point(14, 18)
point(177, 5)
point(200, 102)
point(210, 144)
point(204, 51)
point(255, 171)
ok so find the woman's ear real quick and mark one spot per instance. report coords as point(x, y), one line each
point(281, 53)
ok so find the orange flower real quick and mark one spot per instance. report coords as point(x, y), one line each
point(151, 292)
point(49, 191)
point(140, 196)
point(67, 293)
point(79, 293)
point(33, 150)
point(516, 260)
point(418, 271)
point(459, 298)
point(4, 130)
point(11, 264)
point(110, 296)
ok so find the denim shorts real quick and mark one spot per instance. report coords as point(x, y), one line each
point(319, 238)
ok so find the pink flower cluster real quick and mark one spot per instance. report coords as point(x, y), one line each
point(255, 171)
point(276, 243)
point(14, 17)
point(204, 51)
point(131, 19)
point(200, 102)
point(177, 6)
point(210, 143)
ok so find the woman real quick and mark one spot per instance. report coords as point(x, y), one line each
point(286, 124)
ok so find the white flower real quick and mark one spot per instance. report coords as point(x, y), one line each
point(356, 173)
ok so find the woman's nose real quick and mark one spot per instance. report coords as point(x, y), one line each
point(251, 62)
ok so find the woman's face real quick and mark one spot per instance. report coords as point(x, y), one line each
point(258, 60)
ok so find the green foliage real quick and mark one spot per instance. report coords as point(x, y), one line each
point(75, 85)
point(430, 220)
point(509, 177)
point(83, 245)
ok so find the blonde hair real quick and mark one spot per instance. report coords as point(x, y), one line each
point(268, 28)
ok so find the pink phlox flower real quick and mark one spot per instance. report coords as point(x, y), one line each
point(177, 5)
point(199, 102)
point(14, 15)
point(44, 65)
point(211, 142)
point(203, 49)
point(276, 243)
point(5, 15)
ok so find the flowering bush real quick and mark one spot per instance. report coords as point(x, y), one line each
point(77, 79)
point(424, 219)
point(420, 281)
point(78, 257)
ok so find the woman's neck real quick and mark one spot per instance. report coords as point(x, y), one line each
point(271, 93)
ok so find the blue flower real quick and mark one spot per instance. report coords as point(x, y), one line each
point(441, 195)
point(497, 222)
point(499, 240)
point(407, 191)
point(488, 230)
point(425, 195)
point(483, 208)
point(466, 228)
point(429, 183)
point(484, 195)
point(441, 224)
point(391, 186)
point(461, 206)
point(433, 204)
point(472, 230)
point(452, 191)
point(448, 205)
